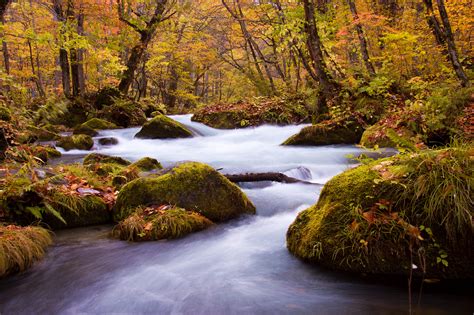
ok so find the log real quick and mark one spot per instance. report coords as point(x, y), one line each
point(261, 177)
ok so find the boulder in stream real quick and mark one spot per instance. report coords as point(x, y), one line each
point(410, 212)
point(163, 127)
point(192, 186)
point(76, 142)
point(328, 133)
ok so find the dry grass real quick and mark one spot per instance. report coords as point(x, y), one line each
point(20, 247)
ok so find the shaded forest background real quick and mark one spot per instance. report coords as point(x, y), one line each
point(187, 53)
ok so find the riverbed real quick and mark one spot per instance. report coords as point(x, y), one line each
point(241, 267)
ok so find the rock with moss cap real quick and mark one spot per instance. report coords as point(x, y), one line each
point(124, 113)
point(382, 217)
point(5, 113)
point(21, 247)
point(328, 133)
point(147, 164)
point(85, 130)
point(76, 142)
point(94, 158)
point(160, 222)
point(192, 186)
point(99, 124)
point(41, 134)
point(384, 137)
point(163, 127)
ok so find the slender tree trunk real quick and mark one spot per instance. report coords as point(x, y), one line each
point(362, 40)
point(327, 86)
point(63, 54)
point(452, 51)
point(133, 62)
point(6, 54)
point(444, 37)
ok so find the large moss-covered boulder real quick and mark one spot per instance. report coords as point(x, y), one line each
point(41, 134)
point(383, 137)
point(383, 217)
point(157, 223)
point(163, 127)
point(5, 113)
point(124, 113)
point(99, 124)
point(21, 247)
point(106, 96)
point(94, 158)
point(327, 133)
point(253, 112)
point(85, 130)
point(192, 186)
point(76, 142)
point(147, 164)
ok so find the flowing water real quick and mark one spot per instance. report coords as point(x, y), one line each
point(241, 267)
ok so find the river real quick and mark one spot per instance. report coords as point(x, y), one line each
point(241, 267)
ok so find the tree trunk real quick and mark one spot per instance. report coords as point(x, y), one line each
point(452, 51)
point(444, 37)
point(362, 40)
point(146, 35)
point(77, 59)
point(6, 55)
point(262, 177)
point(63, 54)
point(313, 42)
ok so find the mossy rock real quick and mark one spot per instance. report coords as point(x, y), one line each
point(384, 137)
point(94, 158)
point(78, 211)
point(5, 113)
point(163, 127)
point(147, 164)
point(192, 186)
point(99, 124)
point(152, 224)
point(222, 119)
point(254, 112)
point(85, 130)
point(41, 134)
point(108, 141)
point(328, 133)
point(24, 153)
point(382, 217)
point(124, 113)
point(76, 142)
point(21, 247)
point(106, 96)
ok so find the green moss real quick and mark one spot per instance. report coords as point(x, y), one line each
point(79, 142)
point(5, 113)
point(376, 218)
point(147, 164)
point(151, 224)
point(106, 96)
point(99, 124)
point(327, 133)
point(192, 186)
point(380, 136)
point(163, 127)
point(124, 113)
point(21, 247)
point(42, 134)
point(32, 153)
point(94, 158)
point(85, 130)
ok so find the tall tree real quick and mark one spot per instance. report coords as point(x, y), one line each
point(362, 40)
point(444, 36)
point(63, 54)
point(6, 56)
point(146, 27)
point(313, 42)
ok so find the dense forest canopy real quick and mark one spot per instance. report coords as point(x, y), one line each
point(185, 53)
